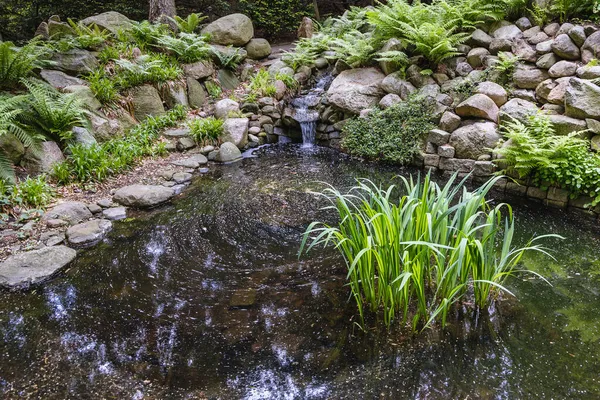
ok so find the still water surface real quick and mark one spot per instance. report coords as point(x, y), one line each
point(206, 298)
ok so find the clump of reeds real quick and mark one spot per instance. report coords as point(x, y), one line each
point(415, 257)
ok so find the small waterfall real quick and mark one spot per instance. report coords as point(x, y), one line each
point(305, 113)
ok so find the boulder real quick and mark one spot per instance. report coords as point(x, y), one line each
point(562, 69)
point(197, 95)
point(198, 70)
point(394, 84)
point(508, 32)
point(552, 29)
point(227, 79)
point(596, 143)
point(146, 102)
point(58, 30)
point(83, 137)
point(85, 95)
point(356, 89)
point(523, 23)
point(476, 56)
point(235, 130)
point(544, 47)
point(41, 31)
point(547, 61)
point(449, 122)
point(115, 213)
point(389, 100)
point(518, 109)
point(143, 196)
point(258, 49)
point(224, 107)
point(564, 125)
point(480, 39)
point(564, 47)
point(588, 72)
point(494, 91)
point(582, 99)
point(234, 30)
point(543, 90)
point(306, 30)
point(43, 160)
point(557, 94)
point(527, 77)
point(194, 161)
point(175, 95)
point(88, 233)
point(591, 47)
point(499, 45)
point(75, 61)
point(12, 148)
point(524, 51)
point(73, 212)
point(474, 140)
point(58, 79)
point(539, 38)
point(228, 152)
point(112, 21)
point(418, 79)
point(35, 266)
point(478, 106)
point(577, 35)
point(531, 32)
point(392, 44)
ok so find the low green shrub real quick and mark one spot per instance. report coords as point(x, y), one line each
point(206, 130)
point(275, 16)
point(32, 192)
point(391, 135)
point(99, 161)
point(149, 68)
point(103, 87)
point(534, 150)
point(414, 258)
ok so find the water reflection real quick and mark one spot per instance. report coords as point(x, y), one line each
point(207, 299)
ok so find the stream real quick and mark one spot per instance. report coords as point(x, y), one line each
point(206, 298)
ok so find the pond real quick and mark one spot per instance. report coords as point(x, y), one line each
point(206, 298)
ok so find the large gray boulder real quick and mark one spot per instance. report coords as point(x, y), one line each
point(228, 152)
point(43, 160)
point(582, 99)
point(494, 91)
point(88, 233)
point(394, 84)
point(199, 70)
point(564, 125)
point(58, 79)
point(591, 47)
point(518, 109)
point(73, 212)
point(234, 29)
point(564, 47)
point(562, 69)
point(474, 140)
point(508, 32)
point(392, 44)
point(258, 49)
point(235, 130)
point(527, 77)
point(75, 61)
point(558, 92)
point(197, 95)
point(225, 107)
point(480, 38)
point(146, 102)
point(478, 106)
point(85, 95)
point(12, 148)
point(143, 196)
point(112, 21)
point(356, 89)
point(35, 266)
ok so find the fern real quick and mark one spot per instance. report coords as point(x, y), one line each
point(230, 59)
point(49, 113)
point(17, 63)
point(190, 24)
point(355, 48)
point(187, 47)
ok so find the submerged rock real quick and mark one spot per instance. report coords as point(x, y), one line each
point(228, 152)
point(33, 267)
point(143, 195)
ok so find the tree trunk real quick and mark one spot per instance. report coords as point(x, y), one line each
point(160, 10)
point(317, 13)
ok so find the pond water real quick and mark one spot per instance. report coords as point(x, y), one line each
point(206, 298)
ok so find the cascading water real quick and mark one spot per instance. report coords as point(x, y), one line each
point(305, 112)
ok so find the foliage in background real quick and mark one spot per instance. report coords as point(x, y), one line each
point(189, 24)
point(414, 258)
point(391, 135)
point(99, 161)
point(534, 150)
point(275, 16)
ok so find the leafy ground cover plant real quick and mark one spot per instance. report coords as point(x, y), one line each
point(414, 258)
point(99, 161)
point(206, 130)
point(390, 135)
point(534, 150)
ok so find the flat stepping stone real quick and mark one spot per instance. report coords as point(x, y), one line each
point(88, 233)
point(143, 196)
point(176, 132)
point(73, 212)
point(33, 267)
point(192, 162)
point(115, 213)
point(182, 177)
